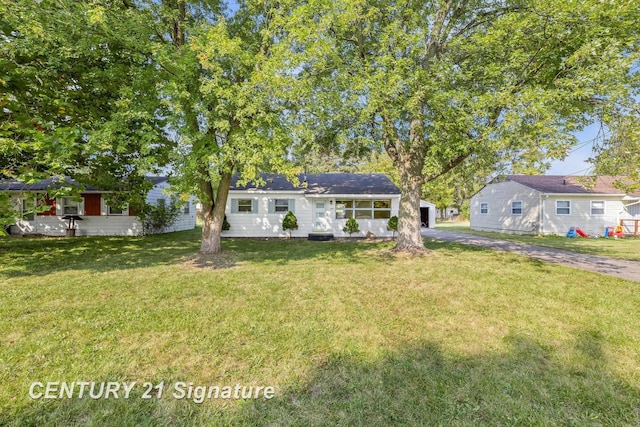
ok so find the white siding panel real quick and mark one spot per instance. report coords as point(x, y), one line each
point(631, 211)
point(90, 226)
point(581, 214)
point(184, 221)
point(265, 224)
point(499, 218)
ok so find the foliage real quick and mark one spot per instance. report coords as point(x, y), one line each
point(392, 225)
point(225, 224)
point(290, 222)
point(78, 95)
point(351, 226)
point(224, 96)
point(619, 154)
point(156, 218)
point(379, 162)
point(497, 85)
point(465, 210)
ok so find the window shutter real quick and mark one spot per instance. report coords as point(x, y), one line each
point(272, 205)
point(254, 206)
point(292, 205)
point(234, 205)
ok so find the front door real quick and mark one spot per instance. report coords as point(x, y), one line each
point(320, 216)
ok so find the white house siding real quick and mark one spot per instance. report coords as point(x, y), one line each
point(90, 226)
point(265, 224)
point(631, 210)
point(184, 221)
point(499, 217)
point(580, 215)
point(102, 225)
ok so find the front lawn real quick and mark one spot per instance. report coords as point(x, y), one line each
point(624, 248)
point(346, 333)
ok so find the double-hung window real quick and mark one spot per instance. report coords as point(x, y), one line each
point(516, 208)
point(71, 206)
point(246, 206)
point(563, 207)
point(597, 207)
point(484, 208)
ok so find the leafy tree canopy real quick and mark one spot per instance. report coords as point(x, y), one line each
point(501, 84)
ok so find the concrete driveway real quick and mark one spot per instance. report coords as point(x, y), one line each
point(623, 269)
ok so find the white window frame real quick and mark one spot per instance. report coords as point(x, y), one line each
point(67, 201)
point(280, 205)
point(125, 211)
point(563, 207)
point(244, 206)
point(604, 207)
point(513, 208)
point(235, 206)
point(186, 208)
point(348, 212)
point(486, 209)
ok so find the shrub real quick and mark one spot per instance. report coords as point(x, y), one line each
point(351, 226)
point(225, 224)
point(290, 222)
point(155, 219)
point(392, 225)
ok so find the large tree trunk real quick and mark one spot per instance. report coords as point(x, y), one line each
point(409, 236)
point(409, 161)
point(213, 218)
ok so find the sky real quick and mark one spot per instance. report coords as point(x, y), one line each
point(576, 162)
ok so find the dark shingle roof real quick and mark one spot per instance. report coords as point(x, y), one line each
point(569, 184)
point(326, 183)
point(57, 182)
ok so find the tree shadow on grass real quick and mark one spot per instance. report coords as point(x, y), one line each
point(423, 385)
point(41, 256)
point(529, 384)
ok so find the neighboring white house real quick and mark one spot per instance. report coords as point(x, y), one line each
point(523, 204)
point(98, 218)
point(321, 203)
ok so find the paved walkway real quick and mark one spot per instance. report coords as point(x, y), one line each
point(624, 269)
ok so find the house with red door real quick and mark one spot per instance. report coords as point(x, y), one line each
point(96, 216)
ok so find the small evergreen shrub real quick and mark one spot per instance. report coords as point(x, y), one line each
point(290, 222)
point(392, 225)
point(225, 224)
point(351, 226)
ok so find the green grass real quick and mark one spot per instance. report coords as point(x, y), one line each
point(624, 248)
point(347, 333)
